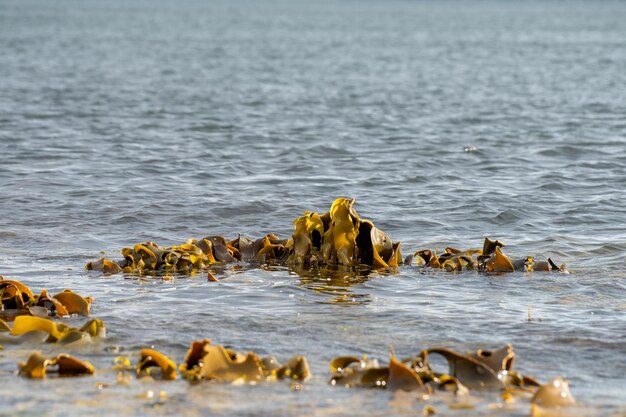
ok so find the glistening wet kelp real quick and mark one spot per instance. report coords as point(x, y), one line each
point(483, 370)
point(18, 299)
point(63, 364)
point(337, 238)
point(31, 329)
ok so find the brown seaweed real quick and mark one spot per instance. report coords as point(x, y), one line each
point(37, 366)
point(151, 358)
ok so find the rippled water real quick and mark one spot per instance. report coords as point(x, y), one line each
point(122, 122)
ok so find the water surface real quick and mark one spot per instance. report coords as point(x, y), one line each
point(122, 122)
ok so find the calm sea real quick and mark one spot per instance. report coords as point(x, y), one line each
point(127, 121)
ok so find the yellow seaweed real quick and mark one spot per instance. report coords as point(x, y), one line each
point(35, 367)
point(551, 397)
point(401, 377)
point(151, 358)
point(25, 324)
point(51, 303)
point(67, 365)
point(74, 303)
point(218, 364)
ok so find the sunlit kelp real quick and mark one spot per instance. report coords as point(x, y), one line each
point(43, 330)
point(341, 237)
point(205, 361)
point(37, 366)
point(194, 255)
point(151, 358)
point(488, 259)
point(337, 238)
point(18, 299)
point(482, 370)
point(552, 399)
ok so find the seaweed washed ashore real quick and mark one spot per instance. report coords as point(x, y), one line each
point(337, 238)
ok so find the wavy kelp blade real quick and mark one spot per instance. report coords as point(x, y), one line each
point(35, 367)
point(249, 248)
point(469, 371)
point(382, 244)
point(195, 354)
point(147, 256)
point(234, 252)
point(489, 246)
point(206, 246)
point(296, 368)
point(219, 365)
point(69, 365)
point(27, 294)
point(429, 257)
point(560, 268)
point(361, 377)
point(497, 360)
point(550, 397)
point(401, 377)
point(340, 363)
point(75, 337)
point(74, 303)
point(307, 237)
point(365, 239)
point(539, 266)
point(220, 250)
point(25, 324)
point(52, 304)
point(343, 219)
point(104, 265)
point(38, 311)
point(452, 384)
point(396, 259)
point(11, 297)
point(94, 327)
point(500, 262)
point(151, 358)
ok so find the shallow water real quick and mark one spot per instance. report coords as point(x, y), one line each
point(122, 122)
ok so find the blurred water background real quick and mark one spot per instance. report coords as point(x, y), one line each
point(127, 121)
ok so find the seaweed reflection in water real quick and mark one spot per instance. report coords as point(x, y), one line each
point(339, 283)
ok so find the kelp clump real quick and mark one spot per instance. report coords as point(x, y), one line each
point(205, 361)
point(18, 299)
point(490, 370)
point(194, 255)
point(488, 259)
point(341, 237)
point(337, 237)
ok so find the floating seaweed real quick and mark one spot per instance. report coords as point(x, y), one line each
point(337, 238)
point(18, 299)
point(552, 398)
point(205, 361)
point(488, 259)
point(475, 371)
point(37, 366)
point(151, 358)
point(43, 330)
